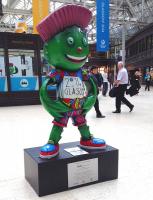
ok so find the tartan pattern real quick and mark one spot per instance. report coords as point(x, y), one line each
point(77, 119)
point(57, 76)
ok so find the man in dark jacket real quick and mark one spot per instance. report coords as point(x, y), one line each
point(99, 81)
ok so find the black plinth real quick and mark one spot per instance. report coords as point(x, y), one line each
point(51, 176)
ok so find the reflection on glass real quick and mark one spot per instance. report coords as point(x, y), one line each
point(45, 69)
point(3, 78)
point(23, 70)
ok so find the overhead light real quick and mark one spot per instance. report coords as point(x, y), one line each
point(112, 5)
point(89, 2)
point(133, 19)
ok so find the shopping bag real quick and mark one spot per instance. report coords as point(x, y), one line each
point(113, 92)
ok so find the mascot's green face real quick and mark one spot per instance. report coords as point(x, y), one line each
point(68, 50)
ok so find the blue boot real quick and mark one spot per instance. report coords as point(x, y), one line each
point(49, 151)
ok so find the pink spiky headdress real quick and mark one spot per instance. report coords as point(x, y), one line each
point(62, 18)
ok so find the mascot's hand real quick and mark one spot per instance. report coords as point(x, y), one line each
point(88, 104)
point(54, 107)
point(90, 100)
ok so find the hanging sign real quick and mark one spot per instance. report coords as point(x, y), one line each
point(102, 25)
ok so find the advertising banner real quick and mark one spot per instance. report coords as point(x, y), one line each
point(24, 83)
point(102, 25)
point(40, 9)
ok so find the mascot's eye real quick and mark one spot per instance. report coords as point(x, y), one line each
point(70, 41)
point(85, 42)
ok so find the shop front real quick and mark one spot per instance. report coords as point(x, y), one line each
point(22, 69)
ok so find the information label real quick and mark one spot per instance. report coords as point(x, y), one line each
point(76, 151)
point(82, 172)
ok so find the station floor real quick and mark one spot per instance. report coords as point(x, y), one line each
point(132, 133)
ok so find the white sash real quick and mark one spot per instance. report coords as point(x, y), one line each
point(72, 88)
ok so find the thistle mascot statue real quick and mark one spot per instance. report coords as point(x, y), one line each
point(66, 49)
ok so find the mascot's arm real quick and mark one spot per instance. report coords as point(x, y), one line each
point(54, 107)
point(91, 99)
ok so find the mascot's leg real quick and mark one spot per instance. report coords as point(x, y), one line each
point(88, 141)
point(51, 149)
point(55, 134)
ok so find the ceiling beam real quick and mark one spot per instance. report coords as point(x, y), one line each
point(12, 11)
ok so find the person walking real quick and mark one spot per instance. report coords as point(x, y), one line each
point(105, 82)
point(99, 81)
point(110, 80)
point(135, 81)
point(148, 81)
point(134, 84)
point(121, 84)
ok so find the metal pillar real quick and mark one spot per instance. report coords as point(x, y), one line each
point(115, 70)
point(142, 11)
point(84, 3)
point(123, 43)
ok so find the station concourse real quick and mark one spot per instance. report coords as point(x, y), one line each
point(119, 31)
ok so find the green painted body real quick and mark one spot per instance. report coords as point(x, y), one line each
point(57, 107)
point(56, 51)
point(67, 51)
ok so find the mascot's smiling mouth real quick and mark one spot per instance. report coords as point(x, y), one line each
point(75, 59)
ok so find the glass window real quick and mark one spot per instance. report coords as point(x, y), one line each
point(23, 70)
point(140, 46)
point(3, 77)
point(151, 42)
point(143, 45)
point(147, 43)
point(45, 69)
point(137, 47)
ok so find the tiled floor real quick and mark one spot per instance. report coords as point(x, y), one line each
point(132, 133)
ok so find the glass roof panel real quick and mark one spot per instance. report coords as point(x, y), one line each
point(134, 14)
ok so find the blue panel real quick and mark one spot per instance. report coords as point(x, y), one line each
point(2, 84)
point(24, 83)
point(102, 22)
